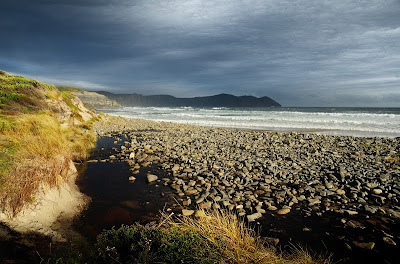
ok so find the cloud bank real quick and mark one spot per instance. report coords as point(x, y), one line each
point(300, 53)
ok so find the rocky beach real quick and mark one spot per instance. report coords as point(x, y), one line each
point(350, 183)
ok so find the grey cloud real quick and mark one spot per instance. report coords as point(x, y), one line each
point(304, 52)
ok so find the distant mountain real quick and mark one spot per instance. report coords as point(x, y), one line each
point(220, 100)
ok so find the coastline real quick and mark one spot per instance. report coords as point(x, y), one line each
point(358, 122)
point(259, 175)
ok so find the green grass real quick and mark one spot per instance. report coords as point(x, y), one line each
point(68, 89)
point(67, 96)
point(138, 244)
point(34, 148)
point(217, 237)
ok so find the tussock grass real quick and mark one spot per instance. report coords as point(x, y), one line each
point(34, 148)
point(238, 243)
point(217, 237)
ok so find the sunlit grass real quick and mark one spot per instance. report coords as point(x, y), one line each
point(34, 148)
point(217, 237)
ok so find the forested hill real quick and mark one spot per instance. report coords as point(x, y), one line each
point(220, 100)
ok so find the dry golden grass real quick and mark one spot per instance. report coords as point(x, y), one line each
point(35, 149)
point(239, 243)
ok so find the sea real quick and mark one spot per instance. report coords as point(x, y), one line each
point(359, 122)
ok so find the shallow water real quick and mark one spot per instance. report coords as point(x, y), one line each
point(116, 201)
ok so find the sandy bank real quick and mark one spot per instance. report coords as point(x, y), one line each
point(52, 211)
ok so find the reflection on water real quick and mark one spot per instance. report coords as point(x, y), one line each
point(116, 200)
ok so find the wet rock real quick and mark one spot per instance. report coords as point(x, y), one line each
point(370, 209)
point(283, 211)
point(389, 241)
point(347, 246)
point(350, 212)
point(131, 179)
point(272, 208)
point(254, 217)
point(364, 245)
point(151, 178)
point(354, 224)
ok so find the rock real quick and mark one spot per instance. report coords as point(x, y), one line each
point(151, 178)
point(205, 205)
point(132, 179)
point(226, 183)
point(395, 214)
point(342, 173)
point(254, 216)
point(372, 185)
point(351, 212)
point(365, 245)
point(272, 208)
point(389, 241)
point(376, 191)
point(347, 246)
point(200, 213)
point(187, 202)
point(370, 209)
point(239, 206)
point(201, 199)
point(354, 224)
point(329, 185)
point(273, 241)
point(175, 168)
point(306, 229)
point(314, 201)
point(186, 212)
point(340, 192)
point(260, 210)
point(282, 211)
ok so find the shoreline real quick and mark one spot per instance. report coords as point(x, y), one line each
point(359, 122)
point(260, 175)
point(319, 131)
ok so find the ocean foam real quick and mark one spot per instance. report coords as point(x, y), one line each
point(362, 122)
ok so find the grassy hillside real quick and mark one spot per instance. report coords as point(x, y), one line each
point(69, 89)
point(37, 138)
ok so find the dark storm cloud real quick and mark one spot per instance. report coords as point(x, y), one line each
point(305, 52)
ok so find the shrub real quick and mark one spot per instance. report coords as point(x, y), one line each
point(139, 244)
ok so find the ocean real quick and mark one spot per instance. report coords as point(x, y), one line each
point(360, 122)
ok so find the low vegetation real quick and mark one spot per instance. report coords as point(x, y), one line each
point(69, 89)
point(216, 237)
point(34, 147)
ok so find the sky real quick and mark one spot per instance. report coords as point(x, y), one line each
point(298, 52)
